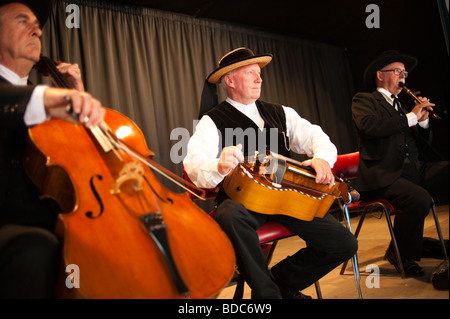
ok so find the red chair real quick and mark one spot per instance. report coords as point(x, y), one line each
point(269, 234)
point(346, 167)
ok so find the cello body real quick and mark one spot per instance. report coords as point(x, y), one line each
point(104, 196)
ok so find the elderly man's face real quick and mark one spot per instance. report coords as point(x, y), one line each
point(387, 78)
point(245, 83)
point(19, 35)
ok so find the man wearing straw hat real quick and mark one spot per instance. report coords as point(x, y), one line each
point(29, 251)
point(211, 156)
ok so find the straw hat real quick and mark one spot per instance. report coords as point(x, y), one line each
point(384, 59)
point(235, 59)
point(230, 61)
point(41, 8)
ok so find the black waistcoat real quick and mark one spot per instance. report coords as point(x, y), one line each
point(411, 149)
point(235, 127)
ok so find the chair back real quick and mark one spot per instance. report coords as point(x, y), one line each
point(346, 165)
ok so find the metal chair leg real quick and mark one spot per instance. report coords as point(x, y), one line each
point(271, 250)
point(354, 259)
point(318, 291)
point(239, 292)
point(439, 231)
point(387, 213)
point(358, 229)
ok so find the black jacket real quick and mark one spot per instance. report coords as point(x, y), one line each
point(19, 197)
point(381, 137)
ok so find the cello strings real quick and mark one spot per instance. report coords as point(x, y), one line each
point(122, 146)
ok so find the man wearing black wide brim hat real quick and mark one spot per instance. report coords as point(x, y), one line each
point(386, 58)
point(29, 250)
point(396, 159)
point(213, 153)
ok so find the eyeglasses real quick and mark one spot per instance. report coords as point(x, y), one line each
point(397, 72)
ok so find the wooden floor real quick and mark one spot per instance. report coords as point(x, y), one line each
point(373, 241)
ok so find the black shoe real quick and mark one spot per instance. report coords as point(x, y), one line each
point(432, 248)
point(411, 268)
point(289, 293)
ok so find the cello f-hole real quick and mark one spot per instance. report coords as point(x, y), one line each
point(168, 199)
point(90, 214)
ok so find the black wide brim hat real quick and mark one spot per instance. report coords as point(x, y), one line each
point(40, 8)
point(236, 59)
point(381, 61)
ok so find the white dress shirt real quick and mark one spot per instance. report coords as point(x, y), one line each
point(203, 150)
point(35, 111)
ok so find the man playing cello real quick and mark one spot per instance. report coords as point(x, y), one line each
point(29, 251)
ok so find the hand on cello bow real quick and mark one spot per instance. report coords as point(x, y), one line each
point(88, 109)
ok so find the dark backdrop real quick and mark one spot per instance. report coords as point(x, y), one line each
point(151, 64)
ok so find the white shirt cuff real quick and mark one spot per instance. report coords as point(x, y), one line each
point(35, 111)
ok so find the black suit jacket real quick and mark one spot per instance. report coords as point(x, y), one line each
point(381, 137)
point(19, 197)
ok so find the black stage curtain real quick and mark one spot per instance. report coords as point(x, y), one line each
point(150, 65)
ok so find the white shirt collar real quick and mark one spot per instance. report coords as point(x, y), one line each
point(241, 107)
point(12, 77)
point(387, 95)
point(250, 110)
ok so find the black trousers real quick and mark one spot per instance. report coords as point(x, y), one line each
point(29, 262)
point(328, 244)
point(411, 196)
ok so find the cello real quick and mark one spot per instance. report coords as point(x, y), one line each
point(128, 235)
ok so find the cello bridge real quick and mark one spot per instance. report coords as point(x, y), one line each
point(132, 171)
